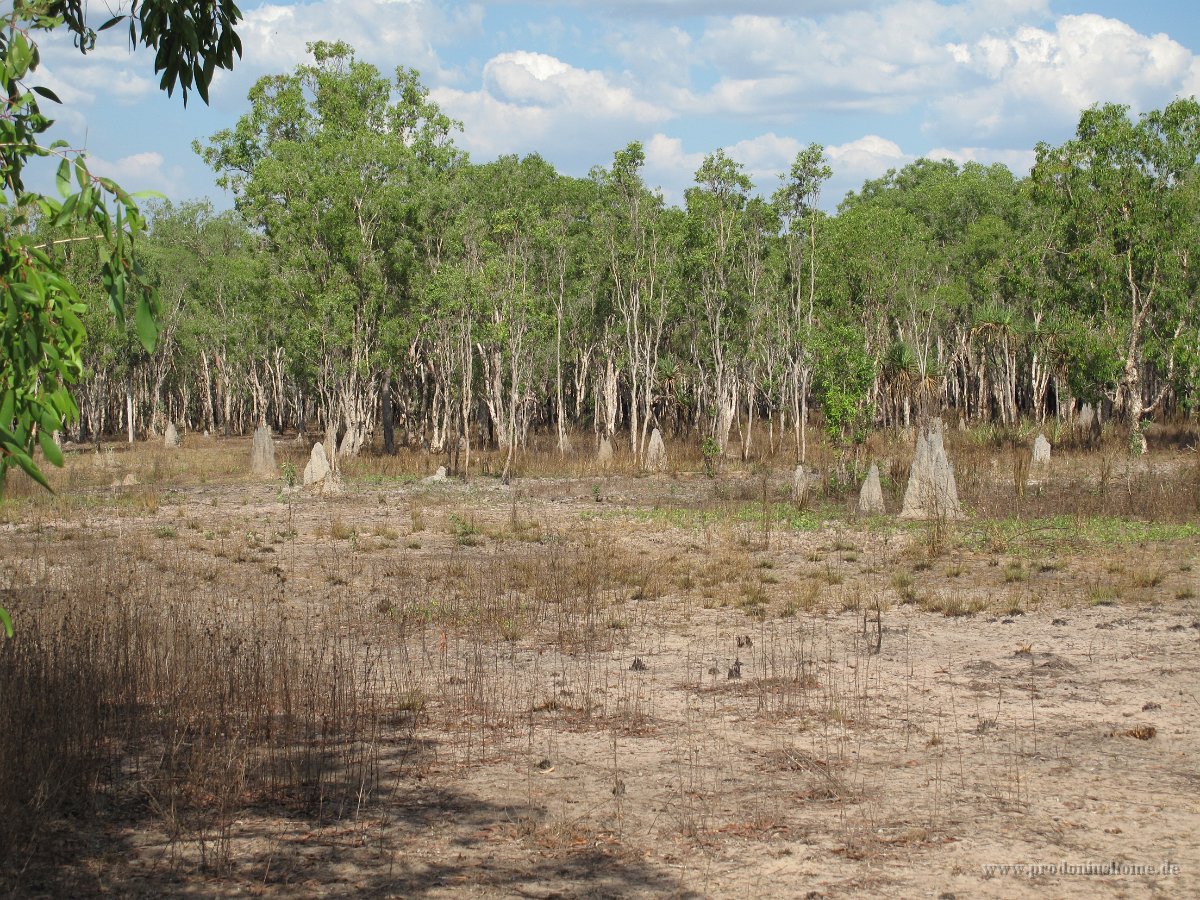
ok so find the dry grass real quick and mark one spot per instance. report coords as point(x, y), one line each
point(124, 693)
point(219, 668)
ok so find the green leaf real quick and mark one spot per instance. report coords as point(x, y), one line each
point(6, 622)
point(68, 208)
point(48, 418)
point(50, 448)
point(46, 92)
point(64, 178)
point(19, 56)
point(146, 328)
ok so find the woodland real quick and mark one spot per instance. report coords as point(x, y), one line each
point(374, 282)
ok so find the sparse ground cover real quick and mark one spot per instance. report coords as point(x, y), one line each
point(600, 683)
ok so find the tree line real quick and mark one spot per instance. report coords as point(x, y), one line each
point(374, 283)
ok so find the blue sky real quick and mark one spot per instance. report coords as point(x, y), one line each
point(878, 82)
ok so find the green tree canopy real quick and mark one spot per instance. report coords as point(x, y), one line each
point(335, 163)
point(1124, 202)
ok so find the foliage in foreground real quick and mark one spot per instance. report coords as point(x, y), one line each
point(42, 334)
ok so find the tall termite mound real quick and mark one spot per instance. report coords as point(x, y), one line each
point(870, 498)
point(262, 453)
point(932, 492)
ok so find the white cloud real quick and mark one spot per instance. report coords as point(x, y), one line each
point(859, 160)
point(661, 56)
point(124, 83)
point(68, 90)
point(533, 101)
point(402, 32)
point(776, 68)
point(970, 69)
point(1191, 84)
point(108, 73)
point(867, 157)
point(67, 112)
point(1035, 81)
point(537, 80)
point(766, 157)
point(146, 171)
point(669, 167)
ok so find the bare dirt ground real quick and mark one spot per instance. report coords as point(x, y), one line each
point(620, 686)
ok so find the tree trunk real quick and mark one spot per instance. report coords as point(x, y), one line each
point(129, 409)
point(389, 432)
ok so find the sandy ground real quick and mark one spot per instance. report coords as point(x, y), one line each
point(732, 713)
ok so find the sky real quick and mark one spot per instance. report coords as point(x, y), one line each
point(878, 83)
